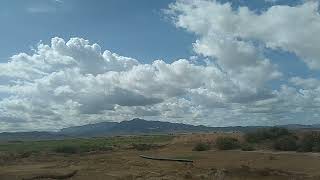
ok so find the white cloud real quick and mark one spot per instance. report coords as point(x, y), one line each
point(309, 83)
point(292, 29)
point(74, 82)
point(45, 6)
point(216, 25)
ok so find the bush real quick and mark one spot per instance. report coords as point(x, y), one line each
point(247, 147)
point(227, 143)
point(201, 147)
point(25, 154)
point(310, 142)
point(67, 149)
point(94, 147)
point(266, 134)
point(286, 143)
point(316, 147)
point(142, 147)
point(306, 143)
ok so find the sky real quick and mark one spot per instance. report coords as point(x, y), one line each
point(209, 62)
point(115, 25)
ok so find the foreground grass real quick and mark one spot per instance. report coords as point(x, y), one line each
point(80, 145)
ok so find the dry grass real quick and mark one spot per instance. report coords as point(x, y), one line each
point(125, 164)
point(209, 138)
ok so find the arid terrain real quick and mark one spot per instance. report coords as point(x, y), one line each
point(123, 163)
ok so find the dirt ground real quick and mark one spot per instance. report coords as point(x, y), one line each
point(125, 164)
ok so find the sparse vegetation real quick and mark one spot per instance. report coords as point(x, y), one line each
point(285, 140)
point(80, 145)
point(25, 154)
point(266, 134)
point(201, 146)
point(310, 142)
point(142, 147)
point(272, 138)
point(247, 147)
point(67, 149)
point(72, 149)
point(209, 165)
point(227, 143)
point(286, 143)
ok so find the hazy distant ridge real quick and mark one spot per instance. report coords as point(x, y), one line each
point(132, 127)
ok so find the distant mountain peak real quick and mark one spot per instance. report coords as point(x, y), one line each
point(137, 120)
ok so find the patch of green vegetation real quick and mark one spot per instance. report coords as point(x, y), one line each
point(227, 143)
point(286, 143)
point(309, 142)
point(247, 147)
point(81, 144)
point(142, 147)
point(201, 146)
point(67, 149)
point(284, 140)
point(266, 134)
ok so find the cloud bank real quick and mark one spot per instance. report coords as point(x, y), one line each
point(72, 82)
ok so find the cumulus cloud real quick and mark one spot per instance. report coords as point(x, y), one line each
point(287, 28)
point(308, 83)
point(72, 82)
point(67, 82)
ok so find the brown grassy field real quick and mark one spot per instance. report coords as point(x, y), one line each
point(124, 163)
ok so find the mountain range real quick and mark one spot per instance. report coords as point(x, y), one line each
point(132, 127)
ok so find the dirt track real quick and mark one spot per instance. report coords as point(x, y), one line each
point(127, 165)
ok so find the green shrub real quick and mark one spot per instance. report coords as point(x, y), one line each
point(254, 137)
point(310, 142)
point(306, 143)
point(67, 149)
point(201, 147)
point(94, 147)
point(105, 148)
point(286, 143)
point(266, 134)
point(227, 143)
point(316, 147)
point(247, 147)
point(142, 147)
point(25, 154)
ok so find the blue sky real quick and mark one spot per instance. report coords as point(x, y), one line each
point(115, 25)
point(131, 28)
point(220, 63)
